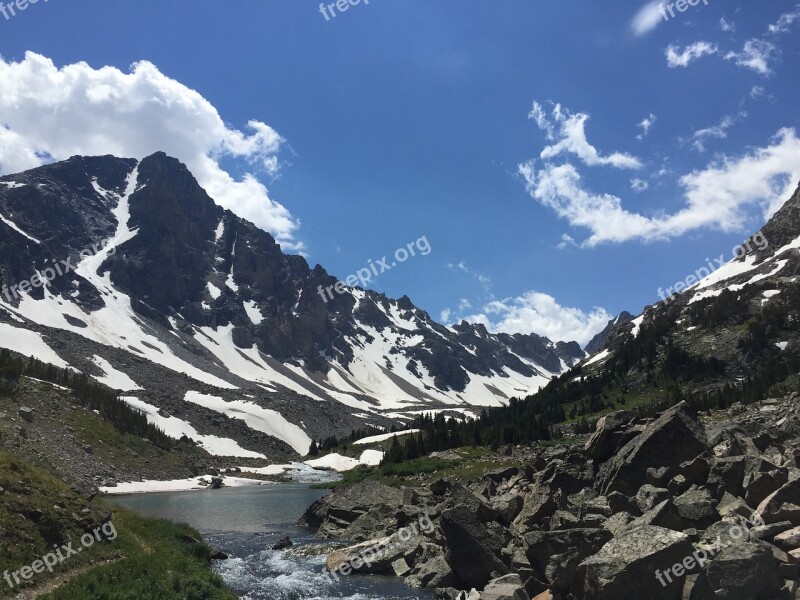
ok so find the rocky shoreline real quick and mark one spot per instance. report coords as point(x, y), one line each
point(680, 507)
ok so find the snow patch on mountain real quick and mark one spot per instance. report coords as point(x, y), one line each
point(28, 343)
point(177, 428)
point(116, 380)
point(260, 419)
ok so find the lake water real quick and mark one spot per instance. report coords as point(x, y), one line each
point(246, 522)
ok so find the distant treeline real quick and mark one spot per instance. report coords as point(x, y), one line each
point(651, 358)
point(333, 443)
point(85, 392)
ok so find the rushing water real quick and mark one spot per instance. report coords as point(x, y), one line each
point(246, 522)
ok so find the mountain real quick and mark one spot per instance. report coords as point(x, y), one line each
point(742, 311)
point(727, 335)
point(128, 271)
point(598, 342)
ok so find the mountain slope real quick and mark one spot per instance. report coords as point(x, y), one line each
point(730, 336)
point(130, 272)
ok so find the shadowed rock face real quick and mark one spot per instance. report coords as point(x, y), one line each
point(185, 243)
point(675, 437)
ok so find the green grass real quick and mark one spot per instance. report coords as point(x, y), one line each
point(147, 559)
point(158, 565)
point(420, 472)
point(127, 450)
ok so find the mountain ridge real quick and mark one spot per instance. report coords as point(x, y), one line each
point(177, 295)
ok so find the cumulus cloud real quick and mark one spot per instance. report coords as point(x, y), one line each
point(51, 113)
point(726, 25)
point(677, 57)
point(720, 131)
point(639, 185)
point(717, 197)
point(756, 55)
point(568, 131)
point(647, 18)
point(535, 312)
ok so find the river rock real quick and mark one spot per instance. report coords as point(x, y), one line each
point(474, 550)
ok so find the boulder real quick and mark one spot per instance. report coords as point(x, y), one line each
point(551, 488)
point(603, 442)
point(696, 507)
point(377, 556)
point(334, 513)
point(26, 414)
point(727, 475)
point(629, 566)
point(730, 505)
point(473, 550)
point(508, 587)
point(675, 437)
point(695, 471)
point(662, 515)
point(697, 587)
point(432, 572)
point(554, 555)
point(506, 473)
point(283, 543)
point(744, 571)
point(761, 485)
point(461, 495)
point(782, 505)
point(507, 506)
point(768, 532)
point(788, 540)
point(648, 496)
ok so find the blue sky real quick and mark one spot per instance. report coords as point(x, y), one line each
point(565, 160)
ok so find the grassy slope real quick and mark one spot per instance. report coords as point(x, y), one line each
point(146, 560)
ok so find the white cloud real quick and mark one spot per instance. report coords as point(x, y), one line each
point(639, 185)
point(726, 25)
point(756, 55)
point(647, 19)
point(569, 132)
point(681, 58)
point(645, 126)
point(719, 131)
point(539, 115)
point(444, 316)
point(784, 23)
point(486, 282)
point(464, 304)
point(716, 197)
point(757, 91)
point(535, 312)
point(54, 113)
point(566, 241)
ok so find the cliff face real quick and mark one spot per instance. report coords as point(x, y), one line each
point(178, 295)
